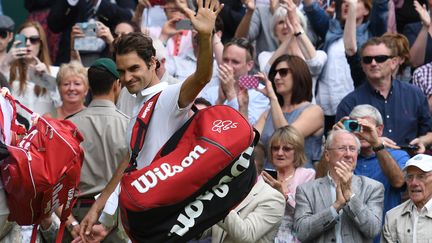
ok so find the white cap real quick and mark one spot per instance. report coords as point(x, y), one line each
point(421, 161)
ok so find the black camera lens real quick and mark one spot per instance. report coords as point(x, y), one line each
point(353, 125)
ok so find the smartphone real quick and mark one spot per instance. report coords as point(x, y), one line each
point(22, 39)
point(184, 24)
point(249, 82)
point(271, 172)
point(351, 125)
point(409, 147)
point(89, 29)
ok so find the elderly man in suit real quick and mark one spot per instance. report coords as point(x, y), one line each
point(339, 207)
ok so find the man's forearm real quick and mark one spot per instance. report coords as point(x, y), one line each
point(390, 168)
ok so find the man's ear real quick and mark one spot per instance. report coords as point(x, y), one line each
point(380, 130)
point(326, 155)
point(394, 63)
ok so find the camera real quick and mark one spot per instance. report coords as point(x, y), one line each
point(351, 125)
point(90, 43)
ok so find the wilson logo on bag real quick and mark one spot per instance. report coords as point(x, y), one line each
point(43, 172)
point(201, 173)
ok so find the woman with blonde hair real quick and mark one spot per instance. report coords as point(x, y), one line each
point(286, 153)
point(29, 71)
point(72, 83)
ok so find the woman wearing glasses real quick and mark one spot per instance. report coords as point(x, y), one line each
point(29, 70)
point(289, 89)
point(286, 153)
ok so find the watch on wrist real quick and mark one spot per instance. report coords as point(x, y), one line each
point(72, 225)
point(378, 148)
point(298, 33)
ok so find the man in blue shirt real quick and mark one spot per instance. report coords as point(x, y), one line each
point(402, 105)
point(375, 160)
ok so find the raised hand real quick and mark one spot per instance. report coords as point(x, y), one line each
point(268, 91)
point(104, 32)
point(250, 4)
point(344, 172)
point(369, 132)
point(204, 20)
point(86, 225)
point(227, 81)
point(281, 187)
point(169, 29)
point(423, 13)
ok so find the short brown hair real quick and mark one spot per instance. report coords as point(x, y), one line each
point(135, 42)
point(242, 43)
point(289, 135)
point(375, 41)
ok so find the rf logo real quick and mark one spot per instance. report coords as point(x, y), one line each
point(219, 125)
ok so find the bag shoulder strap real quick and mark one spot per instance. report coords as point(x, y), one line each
point(139, 129)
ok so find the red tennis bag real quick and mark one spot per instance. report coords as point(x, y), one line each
point(43, 172)
point(197, 177)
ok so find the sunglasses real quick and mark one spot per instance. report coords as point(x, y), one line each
point(378, 59)
point(283, 72)
point(286, 149)
point(3, 34)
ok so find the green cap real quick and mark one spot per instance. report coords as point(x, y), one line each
point(108, 65)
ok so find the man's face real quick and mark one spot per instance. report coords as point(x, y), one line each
point(344, 148)
point(135, 75)
point(378, 70)
point(419, 185)
point(236, 57)
point(5, 38)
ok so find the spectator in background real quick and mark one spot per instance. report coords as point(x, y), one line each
point(238, 61)
point(375, 160)
point(289, 26)
point(7, 26)
point(256, 219)
point(255, 25)
point(103, 126)
point(419, 35)
point(422, 78)
point(412, 220)
point(33, 58)
point(73, 86)
point(339, 207)
point(335, 81)
point(289, 89)
point(286, 153)
point(38, 12)
point(403, 106)
point(231, 15)
point(64, 14)
point(400, 47)
point(398, 43)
